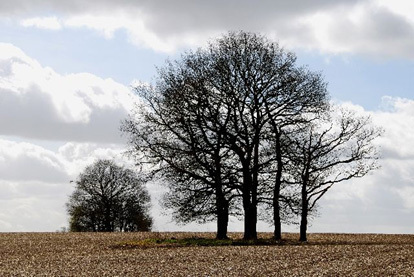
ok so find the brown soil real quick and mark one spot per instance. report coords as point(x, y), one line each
point(96, 254)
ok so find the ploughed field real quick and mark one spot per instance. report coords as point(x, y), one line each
point(166, 254)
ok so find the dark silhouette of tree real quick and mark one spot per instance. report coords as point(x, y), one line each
point(209, 122)
point(109, 198)
point(329, 151)
point(293, 95)
point(175, 132)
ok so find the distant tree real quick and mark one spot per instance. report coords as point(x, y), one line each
point(330, 150)
point(109, 198)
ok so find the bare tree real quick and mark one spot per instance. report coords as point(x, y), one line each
point(328, 151)
point(210, 120)
point(174, 132)
point(296, 97)
point(266, 91)
point(109, 198)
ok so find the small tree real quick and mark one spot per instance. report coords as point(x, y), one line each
point(328, 151)
point(109, 198)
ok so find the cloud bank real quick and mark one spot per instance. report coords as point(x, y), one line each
point(370, 27)
point(36, 102)
point(381, 202)
point(51, 127)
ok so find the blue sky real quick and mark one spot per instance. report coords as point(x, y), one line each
point(66, 70)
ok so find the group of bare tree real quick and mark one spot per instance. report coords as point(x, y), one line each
point(238, 127)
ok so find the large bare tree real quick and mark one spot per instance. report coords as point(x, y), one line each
point(208, 123)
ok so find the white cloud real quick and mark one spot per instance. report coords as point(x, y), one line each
point(397, 120)
point(42, 213)
point(80, 155)
point(378, 203)
point(28, 162)
point(401, 7)
point(105, 24)
point(370, 27)
point(50, 23)
point(80, 107)
point(366, 28)
point(108, 24)
point(381, 201)
point(35, 182)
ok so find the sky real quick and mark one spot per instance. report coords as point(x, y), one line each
point(67, 71)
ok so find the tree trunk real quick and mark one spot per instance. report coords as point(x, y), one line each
point(252, 179)
point(277, 235)
point(249, 206)
point(276, 191)
point(250, 218)
point(107, 223)
point(222, 205)
point(222, 220)
point(303, 228)
point(304, 215)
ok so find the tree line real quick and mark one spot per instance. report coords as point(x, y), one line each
point(238, 128)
